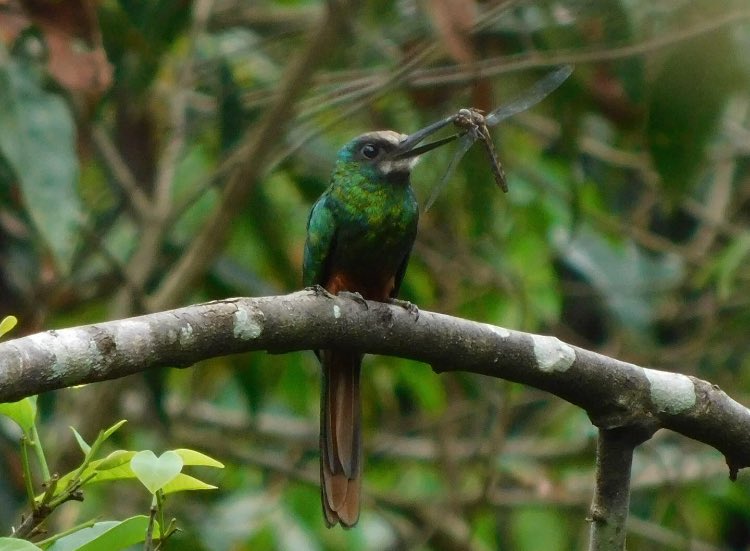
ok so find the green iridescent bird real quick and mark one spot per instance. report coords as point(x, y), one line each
point(359, 237)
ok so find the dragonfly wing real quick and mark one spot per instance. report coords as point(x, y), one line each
point(540, 90)
point(463, 146)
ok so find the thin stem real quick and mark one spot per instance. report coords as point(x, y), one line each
point(76, 528)
point(40, 511)
point(119, 169)
point(148, 545)
point(37, 444)
point(496, 66)
point(27, 471)
point(160, 504)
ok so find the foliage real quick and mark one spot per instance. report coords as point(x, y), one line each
point(625, 230)
point(160, 476)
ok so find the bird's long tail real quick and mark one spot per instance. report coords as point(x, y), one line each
point(340, 437)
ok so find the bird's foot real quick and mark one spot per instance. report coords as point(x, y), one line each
point(356, 297)
point(410, 307)
point(319, 291)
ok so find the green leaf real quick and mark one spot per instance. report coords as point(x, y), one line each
point(38, 141)
point(192, 457)
point(115, 459)
point(111, 430)
point(183, 482)
point(8, 323)
point(106, 536)
point(113, 467)
point(13, 544)
point(116, 466)
point(22, 412)
point(685, 110)
point(156, 472)
point(85, 448)
point(91, 466)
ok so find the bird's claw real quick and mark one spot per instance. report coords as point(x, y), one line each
point(356, 297)
point(319, 291)
point(410, 307)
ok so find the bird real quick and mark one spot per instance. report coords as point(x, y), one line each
point(360, 234)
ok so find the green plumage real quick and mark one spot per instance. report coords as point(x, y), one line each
point(364, 225)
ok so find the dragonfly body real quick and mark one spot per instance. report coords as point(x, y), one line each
point(474, 126)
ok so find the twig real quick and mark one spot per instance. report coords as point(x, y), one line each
point(120, 271)
point(121, 172)
point(406, 68)
point(639, 162)
point(178, 113)
point(492, 67)
point(665, 537)
point(255, 151)
point(154, 225)
point(505, 64)
point(303, 135)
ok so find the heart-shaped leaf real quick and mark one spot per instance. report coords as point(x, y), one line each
point(155, 472)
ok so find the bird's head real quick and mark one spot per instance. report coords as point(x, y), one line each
point(388, 154)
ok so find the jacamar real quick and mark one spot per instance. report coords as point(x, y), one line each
point(359, 236)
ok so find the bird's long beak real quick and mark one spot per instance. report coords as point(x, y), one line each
point(407, 148)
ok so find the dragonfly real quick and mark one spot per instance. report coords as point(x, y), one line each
point(474, 126)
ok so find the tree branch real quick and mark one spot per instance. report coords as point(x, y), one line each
point(615, 394)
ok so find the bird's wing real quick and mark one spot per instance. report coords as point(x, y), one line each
point(321, 235)
point(399, 277)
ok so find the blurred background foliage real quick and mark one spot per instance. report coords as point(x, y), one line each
point(626, 230)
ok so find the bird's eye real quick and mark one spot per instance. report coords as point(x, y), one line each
point(370, 151)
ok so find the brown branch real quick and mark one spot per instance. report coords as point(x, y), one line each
point(154, 220)
point(230, 434)
point(665, 538)
point(192, 421)
point(119, 169)
point(253, 159)
point(338, 84)
point(398, 76)
point(504, 64)
point(615, 394)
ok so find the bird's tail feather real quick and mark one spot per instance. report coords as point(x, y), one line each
point(340, 437)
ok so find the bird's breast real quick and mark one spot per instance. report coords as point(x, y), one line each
point(375, 233)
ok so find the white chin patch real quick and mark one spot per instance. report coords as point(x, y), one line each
point(399, 165)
